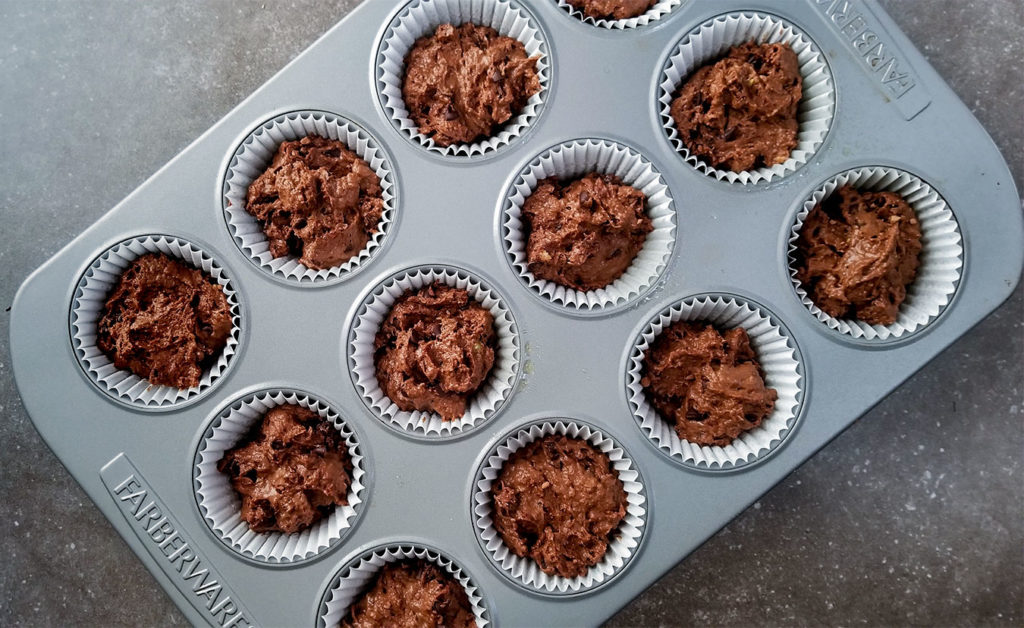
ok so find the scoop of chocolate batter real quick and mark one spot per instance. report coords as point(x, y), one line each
point(612, 9)
point(584, 233)
point(290, 472)
point(739, 113)
point(706, 381)
point(463, 82)
point(318, 201)
point(559, 501)
point(857, 253)
point(434, 350)
point(412, 594)
point(164, 321)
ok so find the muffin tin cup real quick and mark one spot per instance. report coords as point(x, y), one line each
point(254, 155)
point(780, 361)
point(941, 260)
point(220, 504)
point(525, 571)
point(709, 42)
point(421, 18)
point(87, 306)
point(493, 393)
point(358, 575)
point(575, 159)
point(657, 11)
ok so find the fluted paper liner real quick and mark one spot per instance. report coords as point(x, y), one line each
point(355, 578)
point(575, 159)
point(780, 362)
point(420, 18)
point(525, 571)
point(941, 252)
point(221, 506)
point(709, 42)
point(657, 11)
point(255, 154)
point(91, 295)
point(495, 390)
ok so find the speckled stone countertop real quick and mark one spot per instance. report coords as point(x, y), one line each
point(915, 515)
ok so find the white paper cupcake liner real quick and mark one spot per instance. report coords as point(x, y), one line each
point(572, 160)
point(710, 41)
point(91, 295)
point(780, 362)
point(221, 506)
point(941, 258)
point(255, 154)
point(495, 390)
point(657, 11)
point(420, 18)
point(525, 571)
point(355, 578)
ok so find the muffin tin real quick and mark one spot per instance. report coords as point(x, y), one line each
point(570, 366)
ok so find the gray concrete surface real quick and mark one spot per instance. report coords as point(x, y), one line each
point(913, 516)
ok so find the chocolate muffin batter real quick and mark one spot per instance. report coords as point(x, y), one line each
point(165, 321)
point(434, 350)
point(318, 201)
point(412, 594)
point(612, 9)
point(585, 233)
point(706, 381)
point(463, 82)
point(857, 253)
point(559, 501)
point(739, 113)
point(290, 472)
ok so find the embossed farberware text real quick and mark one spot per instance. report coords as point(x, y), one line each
point(187, 568)
point(873, 47)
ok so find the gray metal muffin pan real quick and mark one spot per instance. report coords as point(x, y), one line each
point(730, 239)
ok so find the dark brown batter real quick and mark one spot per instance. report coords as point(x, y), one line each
point(612, 9)
point(165, 321)
point(857, 253)
point(412, 594)
point(290, 472)
point(740, 112)
point(585, 233)
point(318, 201)
point(463, 82)
point(559, 501)
point(706, 381)
point(434, 350)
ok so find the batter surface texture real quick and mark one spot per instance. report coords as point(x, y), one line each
point(585, 233)
point(291, 472)
point(165, 321)
point(318, 201)
point(740, 113)
point(857, 252)
point(559, 502)
point(412, 594)
point(612, 9)
point(434, 350)
point(463, 82)
point(706, 382)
